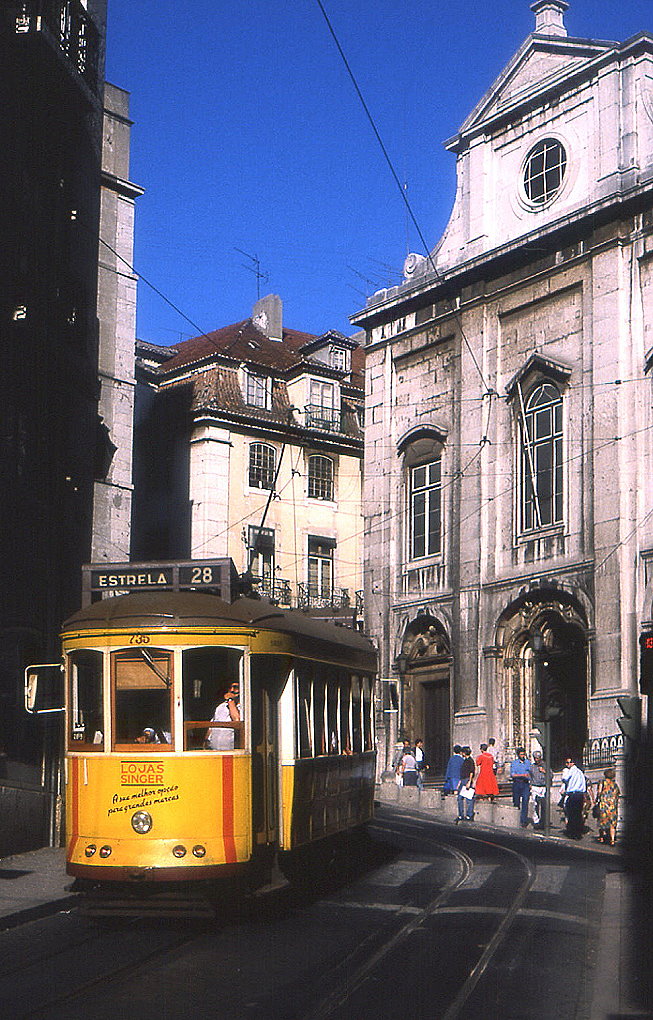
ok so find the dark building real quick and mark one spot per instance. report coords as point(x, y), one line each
point(53, 443)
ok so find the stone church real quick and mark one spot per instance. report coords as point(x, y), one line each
point(508, 415)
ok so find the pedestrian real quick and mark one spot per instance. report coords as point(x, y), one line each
point(409, 768)
point(421, 762)
point(396, 761)
point(538, 790)
point(486, 783)
point(521, 773)
point(466, 787)
point(492, 749)
point(607, 807)
point(452, 773)
point(575, 789)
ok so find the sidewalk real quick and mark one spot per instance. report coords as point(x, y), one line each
point(499, 815)
point(33, 885)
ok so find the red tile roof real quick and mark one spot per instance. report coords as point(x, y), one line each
point(243, 342)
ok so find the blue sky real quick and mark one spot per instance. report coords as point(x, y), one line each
point(248, 135)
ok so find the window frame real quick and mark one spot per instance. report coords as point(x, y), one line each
point(123, 655)
point(533, 415)
point(252, 468)
point(258, 389)
point(314, 481)
point(321, 559)
point(549, 169)
point(431, 492)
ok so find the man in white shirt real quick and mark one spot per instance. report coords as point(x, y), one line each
point(575, 786)
point(222, 738)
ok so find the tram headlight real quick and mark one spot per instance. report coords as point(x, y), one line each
point(179, 850)
point(141, 821)
point(105, 851)
point(90, 849)
point(199, 850)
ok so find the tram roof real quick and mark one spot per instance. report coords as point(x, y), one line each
point(195, 609)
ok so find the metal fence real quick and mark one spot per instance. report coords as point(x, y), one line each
point(599, 752)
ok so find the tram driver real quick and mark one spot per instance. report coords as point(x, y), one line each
point(152, 736)
point(223, 738)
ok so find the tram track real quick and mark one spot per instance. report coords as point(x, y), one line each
point(428, 910)
point(356, 978)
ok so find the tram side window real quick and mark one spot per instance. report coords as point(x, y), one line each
point(345, 712)
point(210, 677)
point(332, 719)
point(304, 714)
point(356, 715)
point(319, 738)
point(86, 718)
point(142, 682)
point(368, 742)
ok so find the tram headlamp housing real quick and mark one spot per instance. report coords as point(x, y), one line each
point(179, 850)
point(90, 849)
point(141, 822)
point(105, 851)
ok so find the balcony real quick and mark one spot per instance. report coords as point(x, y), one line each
point(68, 27)
point(277, 591)
point(281, 593)
point(326, 418)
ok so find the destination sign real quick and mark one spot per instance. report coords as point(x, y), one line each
point(105, 579)
point(143, 579)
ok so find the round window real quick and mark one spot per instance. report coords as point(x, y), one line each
point(544, 171)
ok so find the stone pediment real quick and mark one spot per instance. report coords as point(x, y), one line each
point(540, 64)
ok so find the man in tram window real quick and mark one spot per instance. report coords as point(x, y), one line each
point(152, 736)
point(222, 738)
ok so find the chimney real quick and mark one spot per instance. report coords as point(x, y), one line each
point(550, 17)
point(267, 315)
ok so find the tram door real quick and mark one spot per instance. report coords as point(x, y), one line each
point(266, 689)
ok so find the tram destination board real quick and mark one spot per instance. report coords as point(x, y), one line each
point(103, 580)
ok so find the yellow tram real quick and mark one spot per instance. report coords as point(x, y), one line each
point(204, 737)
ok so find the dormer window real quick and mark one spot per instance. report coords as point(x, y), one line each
point(259, 390)
point(339, 358)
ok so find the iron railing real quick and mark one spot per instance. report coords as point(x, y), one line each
point(309, 598)
point(599, 752)
point(282, 593)
point(327, 418)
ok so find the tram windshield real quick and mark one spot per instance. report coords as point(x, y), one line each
point(213, 699)
point(86, 719)
point(142, 693)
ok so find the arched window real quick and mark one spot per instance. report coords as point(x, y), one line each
point(541, 458)
point(262, 465)
point(320, 477)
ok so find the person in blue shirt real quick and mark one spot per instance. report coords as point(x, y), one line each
point(452, 774)
point(521, 773)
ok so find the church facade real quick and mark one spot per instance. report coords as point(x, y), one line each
point(508, 483)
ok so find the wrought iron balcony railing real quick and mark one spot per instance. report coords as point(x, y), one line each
point(68, 26)
point(276, 590)
point(327, 418)
point(282, 593)
point(309, 598)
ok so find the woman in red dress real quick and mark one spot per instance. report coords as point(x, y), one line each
point(486, 783)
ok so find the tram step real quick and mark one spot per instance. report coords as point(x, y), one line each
point(151, 906)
